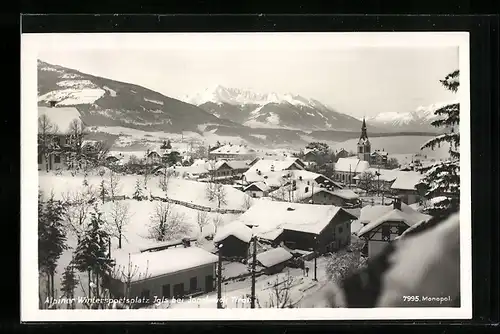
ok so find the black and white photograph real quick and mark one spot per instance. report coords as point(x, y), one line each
point(245, 176)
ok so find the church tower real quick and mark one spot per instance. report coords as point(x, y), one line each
point(364, 147)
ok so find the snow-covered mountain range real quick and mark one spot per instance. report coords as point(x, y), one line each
point(272, 110)
point(416, 120)
point(103, 101)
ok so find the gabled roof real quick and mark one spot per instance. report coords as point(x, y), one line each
point(406, 215)
point(262, 186)
point(352, 165)
point(239, 164)
point(166, 261)
point(61, 117)
point(266, 216)
point(236, 229)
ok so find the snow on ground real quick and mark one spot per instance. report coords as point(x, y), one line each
point(154, 101)
point(304, 291)
point(73, 96)
point(110, 91)
point(136, 232)
point(178, 189)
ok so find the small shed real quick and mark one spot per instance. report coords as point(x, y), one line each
point(235, 239)
point(274, 260)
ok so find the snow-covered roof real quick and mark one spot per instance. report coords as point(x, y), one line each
point(378, 152)
point(166, 261)
point(239, 164)
point(235, 229)
point(233, 149)
point(345, 194)
point(273, 257)
point(268, 165)
point(352, 165)
point(61, 117)
point(407, 180)
point(270, 215)
point(409, 216)
point(262, 186)
point(270, 235)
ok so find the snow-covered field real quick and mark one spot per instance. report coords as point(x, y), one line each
point(178, 189)
point(136, 234)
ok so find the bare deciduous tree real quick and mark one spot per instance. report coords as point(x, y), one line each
point(46, 133)
point(128, 274)
point(76, 133)
point(279, 295)
point(247, 202)
point(217, 221)
point(164, 180)
point(166, 224)
point(119, 218)
point(79, 205)
point(216, 192)
point(114, 186)
point(201, 219)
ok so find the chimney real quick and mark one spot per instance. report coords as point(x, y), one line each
point(186, 242)
point(397, 203)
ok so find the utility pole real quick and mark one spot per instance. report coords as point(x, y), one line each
point(312, 192)
point(315, 257)
point(219, 279)
point(254, 262)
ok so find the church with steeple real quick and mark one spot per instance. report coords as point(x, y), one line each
point(364, 146)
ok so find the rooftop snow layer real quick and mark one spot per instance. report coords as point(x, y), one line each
point(167, 261)
point(407, 181)
point(409, 216)
point(266, 216)
point(233, 149)
point(235, 229)
point(273, 257)
point(352, 165)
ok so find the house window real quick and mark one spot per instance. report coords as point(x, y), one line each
point(340, 229)
point(254, 195)
point(57, 159)
point(179, 290)
point(165, 290)
point(386, 232)
point(145, 293)
point(193, 284)
point(401, 229)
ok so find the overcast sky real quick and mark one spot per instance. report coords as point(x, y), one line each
point(360, 81)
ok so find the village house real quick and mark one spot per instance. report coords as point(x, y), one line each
point(233, 152)
point(313, 188)
point(382, 224)
point(406, 186)
point(257, 189)
point(323, 228)
point(233, 240)
point(346, 169)
point(58, 156)
point(274, 172)
point(153, 157)
point(342, 153)
point(173, 272)
point(379, 158)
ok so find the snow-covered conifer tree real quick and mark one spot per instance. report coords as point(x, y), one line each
point(442, 179)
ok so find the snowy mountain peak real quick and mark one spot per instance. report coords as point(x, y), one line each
point(419, 117)
point(235, 96)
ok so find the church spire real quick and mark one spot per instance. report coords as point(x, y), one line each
point(364, 135)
